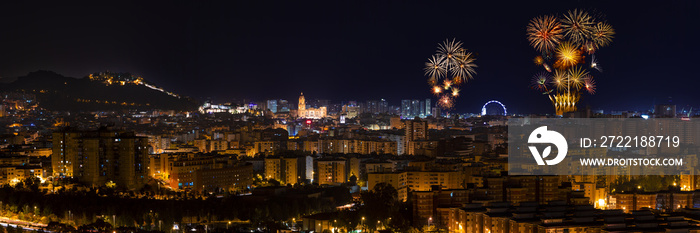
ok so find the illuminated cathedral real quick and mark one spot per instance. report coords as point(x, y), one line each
point(310, 113)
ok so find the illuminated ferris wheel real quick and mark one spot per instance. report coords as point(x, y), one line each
point(496, 111)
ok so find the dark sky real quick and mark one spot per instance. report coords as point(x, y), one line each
point(349, 50)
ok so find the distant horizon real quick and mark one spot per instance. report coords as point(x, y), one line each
point(392, 102)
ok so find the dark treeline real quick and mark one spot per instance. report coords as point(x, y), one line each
point(83, 207)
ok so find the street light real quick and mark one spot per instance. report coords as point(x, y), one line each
point(363, 223)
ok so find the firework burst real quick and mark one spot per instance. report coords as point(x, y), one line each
point(602, 34)
point(455, 65)
point(589, 84)
point(578, 25)
point(540, 81)
point(564, 42)
point(437, 90)
point(434, 68)
point(595, 65)
point(575, 77)
point(568, 55)
point(559, 80)
point(464, 69)
point(451, 52)
point(447, 84)
point(538, 60)
point(544, 33)
point(446, 102)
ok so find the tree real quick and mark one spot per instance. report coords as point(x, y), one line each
point(353, 180)
point(379, 204)
point(10, 229)
point(274, 182)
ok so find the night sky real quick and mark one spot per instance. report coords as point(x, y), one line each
point(350, 50)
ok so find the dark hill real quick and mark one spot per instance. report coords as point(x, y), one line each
point(57, 92)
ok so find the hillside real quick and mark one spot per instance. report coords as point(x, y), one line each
point(57, 92)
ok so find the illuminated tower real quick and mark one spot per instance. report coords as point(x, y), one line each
point(302, 103)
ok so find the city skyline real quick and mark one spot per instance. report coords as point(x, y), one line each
point(349, 117)
point(374, 50)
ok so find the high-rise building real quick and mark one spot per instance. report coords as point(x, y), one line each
point(383, 106)
point(272, 105)
point(427, 109)
point(284, 170)
point(405, 108)
point(331, 171)
point(416, 129)
point(416, 134)
point(436, 112)
point(372, 106)
point(415, 108)
point(283, 106)
point(97, 157)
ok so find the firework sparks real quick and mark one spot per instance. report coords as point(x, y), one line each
point(577, 25)
point(447, 84)
point(575, 77)
point(546, 67)
point(559, 80)
point(538, 60)
point(544, 33)
point(451, 51)
point(464, 69)
point(434, 68)
point(602, 34)
point(589, 84)
point(437, 90)
point(568, 55)
point(455, 92)
point(446, 102)
point(595, 65)
point(540, 81)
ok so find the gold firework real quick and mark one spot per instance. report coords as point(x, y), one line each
point(544, 33)
point(455, 65)
point(564, 102)
point(568, 55)
point(577, 25)
point(447, 84)
point(538, 60)
point(435, 68)
point(602, 35)
point(575, 77)
point(437, 90)
point(451, 52)
point(559, 80)
point(576, 34)
point(464, 69)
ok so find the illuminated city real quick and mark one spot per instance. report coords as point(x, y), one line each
point(349, 117)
